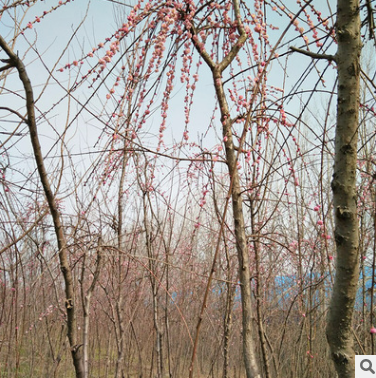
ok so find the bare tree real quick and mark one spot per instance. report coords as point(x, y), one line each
point(70, 301)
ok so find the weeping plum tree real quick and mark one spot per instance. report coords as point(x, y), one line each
point(228, 56)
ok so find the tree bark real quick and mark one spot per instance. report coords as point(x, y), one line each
point(339, 327)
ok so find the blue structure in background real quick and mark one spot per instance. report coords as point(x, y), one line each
point(286, 290)
point(367, 288)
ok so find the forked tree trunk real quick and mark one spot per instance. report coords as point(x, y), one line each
point(249, 348)
point(339, 328)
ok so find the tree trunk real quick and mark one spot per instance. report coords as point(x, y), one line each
point(258, 294)
point(249, 350)
point(154, 290)
point(119, 369)
point(86, 307)
point(339, 328)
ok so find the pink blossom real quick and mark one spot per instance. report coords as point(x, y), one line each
point(320, 222)
point(316, 208)
point(125, 28)
point(258, 28)
point(372, 330)
point(30, 25)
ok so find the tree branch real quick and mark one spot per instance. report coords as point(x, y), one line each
point(13, 111)
point(239, 43)
point(204, 54)
point(7, 67)
point(314, 55)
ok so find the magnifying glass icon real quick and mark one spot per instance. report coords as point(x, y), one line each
point(368, 366)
